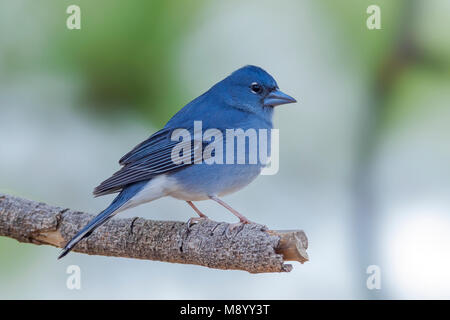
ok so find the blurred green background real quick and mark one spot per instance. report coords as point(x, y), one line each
point(364, 154)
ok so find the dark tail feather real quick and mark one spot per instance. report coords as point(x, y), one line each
point(104, 216)
point(125, 195)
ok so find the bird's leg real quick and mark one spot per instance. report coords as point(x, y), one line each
point(196, 210)
point(195, 220)
point(242, 219)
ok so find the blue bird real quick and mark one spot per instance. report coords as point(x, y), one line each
point(245, 100)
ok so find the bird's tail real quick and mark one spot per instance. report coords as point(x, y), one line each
point(126, 194)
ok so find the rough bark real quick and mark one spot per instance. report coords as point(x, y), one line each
point(252, 248)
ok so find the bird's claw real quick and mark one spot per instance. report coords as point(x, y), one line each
point(240, 225)
point(194, 220)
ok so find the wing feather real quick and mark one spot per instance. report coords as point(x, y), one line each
point(148, 159)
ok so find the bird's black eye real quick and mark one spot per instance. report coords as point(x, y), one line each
point(256, 88)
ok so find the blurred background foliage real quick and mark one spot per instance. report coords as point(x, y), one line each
point(364, 154)
point(126, 58)
point(124, 62)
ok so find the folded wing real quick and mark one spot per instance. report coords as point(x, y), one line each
point(148, 159)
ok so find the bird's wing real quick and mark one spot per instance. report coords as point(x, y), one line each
point(146, 147)
point(148, 159)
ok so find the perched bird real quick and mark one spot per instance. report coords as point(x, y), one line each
point(245, 100)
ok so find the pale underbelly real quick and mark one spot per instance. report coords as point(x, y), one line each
point(199, 182)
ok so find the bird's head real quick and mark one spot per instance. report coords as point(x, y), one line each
point(252, 89)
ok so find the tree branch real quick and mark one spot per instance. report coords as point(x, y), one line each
point(251, 248)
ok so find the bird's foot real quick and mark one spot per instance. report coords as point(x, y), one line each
point(194, 220)
point(237, 226)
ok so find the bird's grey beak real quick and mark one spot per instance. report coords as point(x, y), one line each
point(276, 98)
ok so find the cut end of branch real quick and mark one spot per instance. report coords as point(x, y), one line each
point(292, 245)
